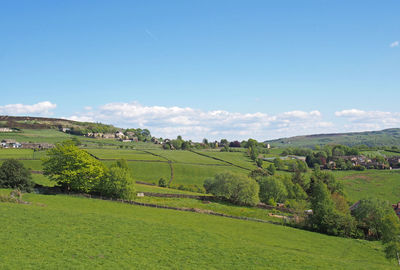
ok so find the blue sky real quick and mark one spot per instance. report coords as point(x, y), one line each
point(215, 69)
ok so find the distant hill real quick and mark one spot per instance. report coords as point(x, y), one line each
point(386, 137)
point(29, 122)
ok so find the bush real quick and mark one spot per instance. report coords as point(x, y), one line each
point(13, 174)
point(117, 183)
point(272, 190)
point(162, 182)
point(237, 188)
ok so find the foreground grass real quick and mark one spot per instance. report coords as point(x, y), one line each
point(70, 232)
point(383, 184)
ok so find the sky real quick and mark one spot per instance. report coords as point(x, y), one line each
point(204, 69)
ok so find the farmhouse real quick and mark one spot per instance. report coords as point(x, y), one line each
point(394, 162)
point(10, 143)
point(108, 136)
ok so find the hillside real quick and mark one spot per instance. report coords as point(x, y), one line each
point(386, 137)
point(29, 122)
point(94, 234)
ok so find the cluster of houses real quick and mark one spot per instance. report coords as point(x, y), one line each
point(119, 135)
point(11, 143)
point(370, 163)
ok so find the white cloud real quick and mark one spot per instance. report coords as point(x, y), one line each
point(196, 124)
point(42, 108)
point(394, 44)
point(371, 120)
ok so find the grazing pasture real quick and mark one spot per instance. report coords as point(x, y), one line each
point(123, 154)
point(196, 174)
point(237, 158)
point(383, 184)
point(182, 156)
point(94, 234)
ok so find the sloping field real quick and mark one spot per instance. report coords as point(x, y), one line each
point(149, 172)
point(80, 233)
point(123, 154)
point(37, 135)
point(181, 156)
point(236, 158)
point(196, 174)
point(383, 184)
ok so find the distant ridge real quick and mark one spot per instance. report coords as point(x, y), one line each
point(34, 122)
point(386, 137)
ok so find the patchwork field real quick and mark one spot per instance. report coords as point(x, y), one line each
point(84, 233)
point(383, 184)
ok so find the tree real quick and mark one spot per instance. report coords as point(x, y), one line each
point(72, 168)
point(162, 182)
point(271, 169)
point(278, 164)
point(13, 174)
point(236, 188)
point(325, 217)
point(259, 162)
point(117, 183)
point(371, 214)
point(272, 190)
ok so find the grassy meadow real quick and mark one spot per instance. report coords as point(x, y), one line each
point(59, 231)
point(383, 184)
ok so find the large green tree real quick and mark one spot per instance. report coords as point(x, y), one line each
point(72, 168)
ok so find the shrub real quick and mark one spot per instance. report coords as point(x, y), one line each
point(117, 183)
point(13, 174)
point(272, 190)
point(237, 188)
point(162, 182)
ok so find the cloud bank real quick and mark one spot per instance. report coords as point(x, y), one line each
point(197, 124)
point(369, 120)
point(42, 108)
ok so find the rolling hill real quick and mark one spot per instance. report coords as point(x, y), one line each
point(386, 137)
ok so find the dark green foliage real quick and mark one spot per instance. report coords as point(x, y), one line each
point(259, 162)
point(278, 163)
point(162, 182)
point(325, 217)
point(13, 174)
point(272, 190)
point(373, 214)
point(236, 188)
point(271, 169)
point(329, 179)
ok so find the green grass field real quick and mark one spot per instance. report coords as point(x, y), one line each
point(196, 174)
point(123, 154)
point(237, 158)
point(37, 135)
point(181, 156)
point(79, 233)
point(383, 184)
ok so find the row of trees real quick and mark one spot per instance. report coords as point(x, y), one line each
point(372, 218)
